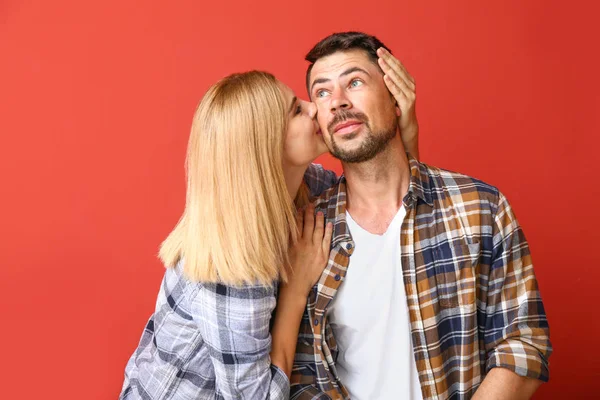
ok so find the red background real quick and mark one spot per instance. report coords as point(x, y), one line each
point(96, 102)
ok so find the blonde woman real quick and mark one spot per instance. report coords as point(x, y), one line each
point(239, 249)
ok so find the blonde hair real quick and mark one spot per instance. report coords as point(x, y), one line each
point(238, 219)
point(302, 198)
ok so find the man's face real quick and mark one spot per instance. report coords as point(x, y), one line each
point(356, 112)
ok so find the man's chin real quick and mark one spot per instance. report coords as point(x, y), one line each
point(349, 154)
point(349, 136)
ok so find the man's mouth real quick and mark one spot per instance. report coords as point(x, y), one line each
point(346, 127)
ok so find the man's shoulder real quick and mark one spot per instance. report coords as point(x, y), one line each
point(331, 196)
point(443, 183)
point(440, 183)
point(319, 179)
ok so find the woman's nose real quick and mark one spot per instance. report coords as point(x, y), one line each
point(312, 109)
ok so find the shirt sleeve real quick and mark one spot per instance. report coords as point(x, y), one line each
point(234, 323)
point(516, 328)
point(319, 179)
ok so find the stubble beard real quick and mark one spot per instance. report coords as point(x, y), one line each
point(372, 144)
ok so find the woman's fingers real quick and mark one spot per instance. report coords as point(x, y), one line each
point(396, 91)
point(327, 238)
point(309, 222)
point(397, 79)
point(319, 228)
point(396, 66)
point(314, 228)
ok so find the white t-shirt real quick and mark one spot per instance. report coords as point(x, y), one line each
point(370, 321)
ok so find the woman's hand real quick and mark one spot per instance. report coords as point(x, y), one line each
point(402, 86)
point(310, 253)
point(308, 258)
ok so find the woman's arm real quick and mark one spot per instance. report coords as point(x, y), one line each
point(308, 258)
point(234, 324)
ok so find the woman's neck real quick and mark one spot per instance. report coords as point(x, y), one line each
point(293, 175)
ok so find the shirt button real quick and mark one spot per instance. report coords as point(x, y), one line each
point(348, 246)
point(316, 322)
point(337, 277)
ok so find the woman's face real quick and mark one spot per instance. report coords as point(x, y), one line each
point(303, 141)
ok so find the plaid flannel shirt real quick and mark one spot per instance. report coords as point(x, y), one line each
point(472, 294)
point(210, 341)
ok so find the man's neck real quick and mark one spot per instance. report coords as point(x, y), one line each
point(377, 187)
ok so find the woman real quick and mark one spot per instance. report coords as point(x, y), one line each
point(212, 335)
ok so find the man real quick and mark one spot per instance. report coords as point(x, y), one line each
point(429, 291)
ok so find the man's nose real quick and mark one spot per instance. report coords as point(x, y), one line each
point(339, 101)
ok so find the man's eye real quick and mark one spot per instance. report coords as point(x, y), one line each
point(355, 83)
point(321, 93)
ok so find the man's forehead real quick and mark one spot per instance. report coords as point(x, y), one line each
point(334, 64)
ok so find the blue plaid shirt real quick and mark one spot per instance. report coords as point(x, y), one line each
point(211, 341)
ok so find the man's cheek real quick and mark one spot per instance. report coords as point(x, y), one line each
point(322, 121)
point(322, 108)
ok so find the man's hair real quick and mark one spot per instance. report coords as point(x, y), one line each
point(343, 41)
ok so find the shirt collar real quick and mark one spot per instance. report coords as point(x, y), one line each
point(418, 188)
point(420, 185)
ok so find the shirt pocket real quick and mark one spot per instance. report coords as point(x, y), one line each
point(455, 274)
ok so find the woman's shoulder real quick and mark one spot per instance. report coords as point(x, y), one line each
point(218, 297)
point(177, 276)
point(240, 307)
point(237, 297)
